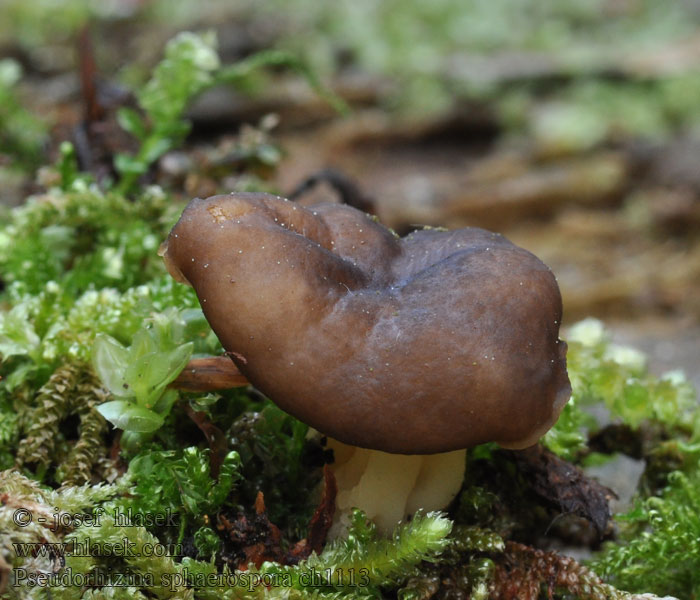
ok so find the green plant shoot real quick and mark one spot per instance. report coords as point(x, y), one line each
point(138, 375)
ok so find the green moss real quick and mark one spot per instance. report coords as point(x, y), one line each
point(84, 238)
point(659, 549)
point(617, 377)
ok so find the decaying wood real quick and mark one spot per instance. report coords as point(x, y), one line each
point(565, 486)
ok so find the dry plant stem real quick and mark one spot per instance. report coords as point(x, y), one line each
point(215, 438)
point(208, 375)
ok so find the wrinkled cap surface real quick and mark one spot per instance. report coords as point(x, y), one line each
point(436, 341)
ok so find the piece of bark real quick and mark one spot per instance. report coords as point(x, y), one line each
point(564, 485)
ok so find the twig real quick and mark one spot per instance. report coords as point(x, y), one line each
point(209, 374)
point(347, 189)
point(215, 438)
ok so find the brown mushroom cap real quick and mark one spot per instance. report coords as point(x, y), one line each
point(433, 342)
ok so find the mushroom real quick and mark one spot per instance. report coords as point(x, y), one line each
point(422, 345)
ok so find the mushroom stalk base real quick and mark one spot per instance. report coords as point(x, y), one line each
point(390, 487)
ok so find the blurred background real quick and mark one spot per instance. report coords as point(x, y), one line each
point(571, 126)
